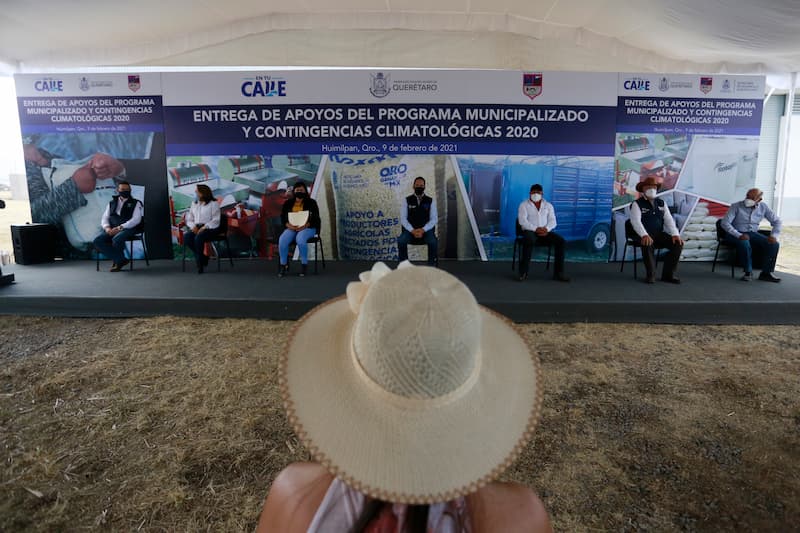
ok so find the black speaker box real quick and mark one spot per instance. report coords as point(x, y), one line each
point(34, 243)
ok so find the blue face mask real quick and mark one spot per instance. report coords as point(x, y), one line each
point(197, 197)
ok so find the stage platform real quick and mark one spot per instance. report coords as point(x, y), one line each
point(598, 292)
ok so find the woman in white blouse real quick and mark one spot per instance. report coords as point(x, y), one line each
point(202, 223)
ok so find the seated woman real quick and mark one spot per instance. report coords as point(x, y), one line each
point(309, 210)
point(413, 399)
point(202, 223)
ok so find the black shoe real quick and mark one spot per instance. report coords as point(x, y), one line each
point(200, 268)
point(303, 270)
point(769, 276)
point(649, 280)
point(748, 276)
point(283, 270)
point(114, 268)
point(673, 279)
point(522, 277)
point(561, 277)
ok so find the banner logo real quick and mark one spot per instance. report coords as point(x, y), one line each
point(726, 85)
point(705, 84)
point(49, 85)
point(380, 85)
point(134, 83)
point(636, 84)
point(266, 86)
point(663, 84)
point(532, 84)
point(84, 84)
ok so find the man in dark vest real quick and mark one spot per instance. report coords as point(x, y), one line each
point(655, 228)
point(121, 220)
point(418, 217)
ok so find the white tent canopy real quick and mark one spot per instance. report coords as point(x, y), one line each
point(732, 36)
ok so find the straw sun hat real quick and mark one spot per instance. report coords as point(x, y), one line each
point(407, 389)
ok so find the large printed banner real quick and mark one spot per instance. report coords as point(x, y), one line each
point(479, 138)
point(82, 133)
point(359, 137)
point(698, 135)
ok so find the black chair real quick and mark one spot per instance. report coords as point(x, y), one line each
point(319, 251)
point(632, 239)
point(721, 233)
point(519, 242)
point(220, 236)
point(133, 238)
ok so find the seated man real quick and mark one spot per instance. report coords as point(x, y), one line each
point(537, 218)
point(741, 227)
point(121, 220)
point(418, 217)
point(653, 223)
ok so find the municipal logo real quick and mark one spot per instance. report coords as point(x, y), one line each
point(49, 85)
point(706, 83)
point(663, 84)
point(134, 83)
point(726, 85)
point(380, 85)
point(636, 84)
point(532, 84)
point(84, 84)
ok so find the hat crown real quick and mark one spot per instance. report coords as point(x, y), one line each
point(418, 332)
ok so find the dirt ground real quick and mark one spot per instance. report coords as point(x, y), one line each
point(170, 424)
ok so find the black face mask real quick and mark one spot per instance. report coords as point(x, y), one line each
point(125, 194)
point(419, 190)
point(300, 194)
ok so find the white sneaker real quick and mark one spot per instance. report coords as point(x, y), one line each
point(748, 276)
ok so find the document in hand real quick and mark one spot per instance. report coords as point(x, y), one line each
point(298, 218)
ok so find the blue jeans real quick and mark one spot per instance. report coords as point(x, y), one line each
point(114, 247)
point(758, 243)
point(300, 237)
point(406, 238)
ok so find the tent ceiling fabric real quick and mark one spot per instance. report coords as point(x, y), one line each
point(735, 36)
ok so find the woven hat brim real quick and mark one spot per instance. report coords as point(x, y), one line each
point(400, 451)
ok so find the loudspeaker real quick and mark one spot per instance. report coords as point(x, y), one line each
point(34, 243)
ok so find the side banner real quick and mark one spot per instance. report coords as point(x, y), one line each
point(358, 138)
point(698, 136)
point(83, 133)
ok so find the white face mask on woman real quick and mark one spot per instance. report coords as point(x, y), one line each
point(535, 197)
point(650, 193)
point(749, 202)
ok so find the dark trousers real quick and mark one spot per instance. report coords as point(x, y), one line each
point(429, 238)
point(197, 243)
point(114, 247)
point(662, 240)
point(531, 239)
point(758, 243)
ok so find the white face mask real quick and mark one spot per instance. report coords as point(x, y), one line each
point(749, 202)
point(535, 197)
point(650, 193)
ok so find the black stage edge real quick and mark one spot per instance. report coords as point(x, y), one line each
point(598, 292)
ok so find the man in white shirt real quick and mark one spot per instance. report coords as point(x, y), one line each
point(654, 227)
point(537, 220)
point(121, 220)
point(418, 218)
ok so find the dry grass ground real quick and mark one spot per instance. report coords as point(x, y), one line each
point(172, 424)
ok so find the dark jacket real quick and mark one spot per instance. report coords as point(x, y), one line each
point(310, 205)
